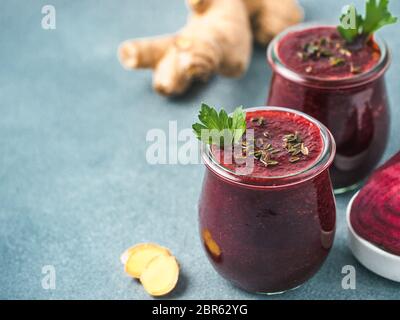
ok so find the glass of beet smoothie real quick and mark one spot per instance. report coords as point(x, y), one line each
point(270, 230)
point(340, 84)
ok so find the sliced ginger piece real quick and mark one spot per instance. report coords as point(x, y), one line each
point(160, 275)
point(211, 245)
point(138, 257)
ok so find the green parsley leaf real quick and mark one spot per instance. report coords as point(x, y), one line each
point(377, 15)
point(238, 124)
point(220, 126)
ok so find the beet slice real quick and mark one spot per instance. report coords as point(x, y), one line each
point(375, 214)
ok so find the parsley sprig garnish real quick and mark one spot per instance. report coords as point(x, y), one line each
point(377, 15)
point(215, 127)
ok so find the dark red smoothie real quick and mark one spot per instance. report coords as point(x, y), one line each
point(271, 230)
point(323, 53)
point(316, 72)
point(272, 129)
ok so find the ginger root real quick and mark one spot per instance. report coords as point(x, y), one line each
point(270, 17)
point(216, 39)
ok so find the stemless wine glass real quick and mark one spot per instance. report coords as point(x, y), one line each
point(269, 234)
point(355, 109)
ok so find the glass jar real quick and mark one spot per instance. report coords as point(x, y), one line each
point(268, 234)
point(355, 109)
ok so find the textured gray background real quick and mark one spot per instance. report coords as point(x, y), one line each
point(75, 188)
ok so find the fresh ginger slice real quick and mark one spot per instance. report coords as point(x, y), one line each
point(211, 245)
point(138, 257)
point(160, 276)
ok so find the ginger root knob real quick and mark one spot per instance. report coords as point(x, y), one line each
point(217, 39)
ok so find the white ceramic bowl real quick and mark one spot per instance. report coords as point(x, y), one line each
point(372, 257)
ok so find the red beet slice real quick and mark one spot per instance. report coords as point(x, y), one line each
point(375, 214)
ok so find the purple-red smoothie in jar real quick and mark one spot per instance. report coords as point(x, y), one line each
point(341, 85)
point(270, 230)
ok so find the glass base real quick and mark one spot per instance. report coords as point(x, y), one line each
point(277, 293)
point(347, 189)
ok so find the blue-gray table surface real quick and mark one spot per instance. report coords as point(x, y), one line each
point(75, 187)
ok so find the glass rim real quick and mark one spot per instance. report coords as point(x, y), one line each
point(322, 163)
point(278, 66)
